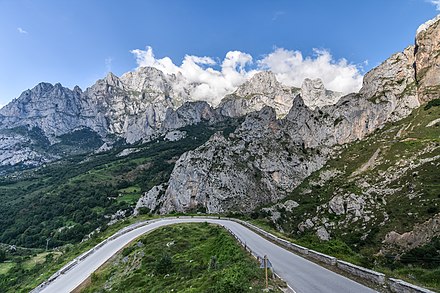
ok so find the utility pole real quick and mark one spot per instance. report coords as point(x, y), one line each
point(47, 243)
point(265, 269)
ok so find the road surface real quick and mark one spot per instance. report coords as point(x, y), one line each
point(302, 275)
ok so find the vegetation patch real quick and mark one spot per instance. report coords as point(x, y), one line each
point(182, 258)
point(84, 191)
point(432, 103)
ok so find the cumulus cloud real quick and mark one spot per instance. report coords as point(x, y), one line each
point(291, 68)
point(436, 3)
point(212, 80)
point(22, 31)
point(208, 83)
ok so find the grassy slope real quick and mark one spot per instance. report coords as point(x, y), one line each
point(80, 192)
point(416, 197)
point(181, 258)
point(83, 191)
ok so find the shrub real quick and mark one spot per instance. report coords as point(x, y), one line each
point(2, 255)
point(432, 103)
point(164, 264)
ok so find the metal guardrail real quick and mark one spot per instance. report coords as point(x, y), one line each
point(253, 253)
point(83, 256)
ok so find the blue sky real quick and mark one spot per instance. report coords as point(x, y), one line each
point(78, 42)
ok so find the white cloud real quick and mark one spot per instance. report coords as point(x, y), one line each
point(436, 3)
point(209, 83)
point(213, 80)
point(277, 15)
point(22, 31)
point(108, 64)
point(291, 68)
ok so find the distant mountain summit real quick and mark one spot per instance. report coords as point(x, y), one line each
point(146, 103)
point(137, 106)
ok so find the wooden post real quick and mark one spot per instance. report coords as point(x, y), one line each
point(265, 269)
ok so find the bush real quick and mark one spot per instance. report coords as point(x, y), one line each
point(433, 103)
point(164, 265)
point(427, 256)
point(2, 255)
point(144, 211)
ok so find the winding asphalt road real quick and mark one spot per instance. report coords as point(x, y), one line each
point(303, 276)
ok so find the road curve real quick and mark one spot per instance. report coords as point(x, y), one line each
point(302, 275)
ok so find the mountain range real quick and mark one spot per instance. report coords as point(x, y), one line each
point(308, 161)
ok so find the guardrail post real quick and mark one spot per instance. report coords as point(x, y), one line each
point(265, 269)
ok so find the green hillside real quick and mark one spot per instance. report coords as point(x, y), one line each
point(182, 258)
point(388, 182)
point(66, 200)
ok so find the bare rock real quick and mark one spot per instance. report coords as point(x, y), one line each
point(427, 60)
point(322, 234)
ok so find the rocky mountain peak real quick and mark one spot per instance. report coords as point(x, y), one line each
point(425, 26)
point(146, 78)
point(313, 90)
point(39, 89)
point(313, 85)
point(77, 89)
point(427, 60)
point(264, 82)
point(112, 80)
point(263, 89)
point(298, 102)
point(315, 94)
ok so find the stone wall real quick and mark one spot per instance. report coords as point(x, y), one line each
point(395, 285)
point(400, 286)
point(366, 274)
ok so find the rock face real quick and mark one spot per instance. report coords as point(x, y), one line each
point(315, 95)
point(188, 114)
point(427, 63)
point(52, 108)
point(16, 148)
point(239, 172)
point(266, 158)
point(421, 234)
point(394, 82)
point(261, 90)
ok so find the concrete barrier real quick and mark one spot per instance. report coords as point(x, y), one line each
point(286, 244)
point(330, 260)
point(400, 286)
point(74, 262)
point(370, 275)
point(298, 248)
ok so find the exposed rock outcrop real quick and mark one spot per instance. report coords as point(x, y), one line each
point(261, 90)
point(254, 165)
point(421, 234)
point(139, 105)
point(427, 63)
point(314, 94)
